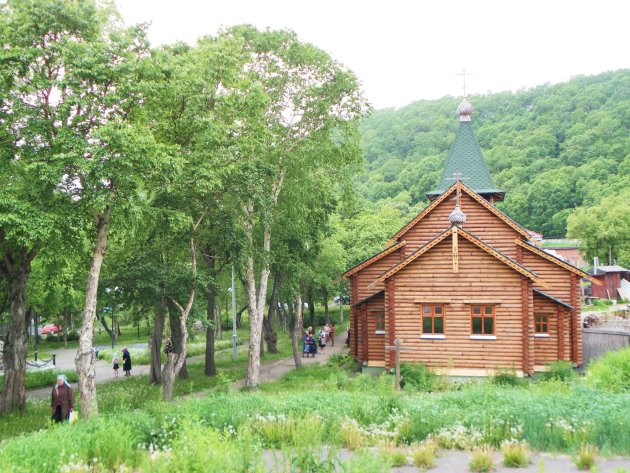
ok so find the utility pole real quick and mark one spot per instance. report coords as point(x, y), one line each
point(234, 335)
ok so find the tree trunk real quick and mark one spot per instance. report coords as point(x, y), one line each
point(176, 359)
point(297, 331)
point(103, 321)
point(271, 337)
point(210, 367)
point(311, 308)
point(325, 298)
point(178, 341)
point(85, 359)
point(65, 328)
point(155, 343)
point(256, 305)
point(13, 396)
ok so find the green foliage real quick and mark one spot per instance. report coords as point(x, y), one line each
point(423, 457)
point(611, 372)
point(417, 376)
point(506, 377)
point(560, 371)
point(41, 378)
point(586, 457)
point(515, 454)
point(548, 149)
point(481, 460)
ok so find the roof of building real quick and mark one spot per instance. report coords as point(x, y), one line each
point(555, 299)
point(376, 295)
point(465, 158)
point(609, 269)
point(371, 260)
point(473, 239)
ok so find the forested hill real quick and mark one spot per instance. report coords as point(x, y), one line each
point(551, 148)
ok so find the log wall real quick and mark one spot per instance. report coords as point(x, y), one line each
point(479, 221)
point(481, 278)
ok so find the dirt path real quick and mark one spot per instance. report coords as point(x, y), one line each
point(274, 369)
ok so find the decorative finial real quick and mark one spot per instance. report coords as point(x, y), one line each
point(457, 217)
point(465, 110)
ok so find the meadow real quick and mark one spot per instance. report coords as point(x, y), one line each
point(325, 408)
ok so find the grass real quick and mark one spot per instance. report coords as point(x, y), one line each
point(312, 410)
point(515, 454)
point(586, 457)
point(481, 461)
point(44, 377)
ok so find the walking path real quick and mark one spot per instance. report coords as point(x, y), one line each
point(269, 370)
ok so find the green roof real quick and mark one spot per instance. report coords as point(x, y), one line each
point(465, 158)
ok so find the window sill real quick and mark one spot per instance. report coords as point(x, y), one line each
point(541, 335)
point(379, 332)
point(483, 337)
point(432, 336)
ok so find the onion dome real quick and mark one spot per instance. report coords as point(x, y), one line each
point(457, 217)
point(465, 110)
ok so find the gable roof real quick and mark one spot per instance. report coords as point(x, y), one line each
point(371, 260)
point(376, 295)
point(471, 238)
point(556, 260)
point(465, 157)
point(608, 269)
point(554, 299)
point(475, 196)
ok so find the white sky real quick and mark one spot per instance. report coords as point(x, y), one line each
point(404, 50)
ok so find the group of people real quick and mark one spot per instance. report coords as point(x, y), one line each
point(311, 345)
point(126, 358)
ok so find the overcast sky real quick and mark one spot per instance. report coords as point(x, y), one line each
point(404, 51)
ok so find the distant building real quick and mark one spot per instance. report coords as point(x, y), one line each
point(610, 277)
point(566, 250)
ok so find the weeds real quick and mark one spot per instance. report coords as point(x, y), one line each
point(586, 457)
point(481, 461)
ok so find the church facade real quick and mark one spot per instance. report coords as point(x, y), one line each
point(462, 285)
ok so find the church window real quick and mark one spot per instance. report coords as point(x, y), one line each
point(380, 321)
point(482, 319)
point(432, 319)
point(541, 323)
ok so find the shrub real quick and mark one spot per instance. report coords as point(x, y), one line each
point(515, 453)
point(506, 377)
point(586, 457)
point(417, 376)
point(423, 457)
point(481, 461)
point(611, 372)
point(560, 371)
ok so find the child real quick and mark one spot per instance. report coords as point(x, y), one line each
point(116, 365)
point(305, 346)
point(322, 340)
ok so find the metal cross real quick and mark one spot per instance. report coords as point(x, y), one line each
point(464, 73)
point(457, 177)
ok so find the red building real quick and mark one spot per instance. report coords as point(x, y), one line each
point(610, 277)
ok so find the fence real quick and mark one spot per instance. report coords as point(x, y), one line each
point(596, 342)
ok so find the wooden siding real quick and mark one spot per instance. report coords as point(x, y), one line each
point(546, 348)
point(479, 221)
point(369, 274)
point(376, 342)
point(481, 277)
point(557, 278)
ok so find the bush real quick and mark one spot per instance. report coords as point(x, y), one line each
point(481, 461)
point(417, 376)
point(506, 377)
point(424, 457)
point(515, 453)
point(559, 371)
point(611, 372)
point(586, 457)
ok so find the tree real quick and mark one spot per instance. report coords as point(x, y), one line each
point(305, 123)
point(604, 229)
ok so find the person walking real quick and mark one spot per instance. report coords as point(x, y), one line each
point(168, 348)
point(61, 399)
point(331, 333)
point(305, 346)
point(126, 356)
point(321, 338)
point(116, 365)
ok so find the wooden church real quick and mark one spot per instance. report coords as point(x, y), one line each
point(463, 286)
